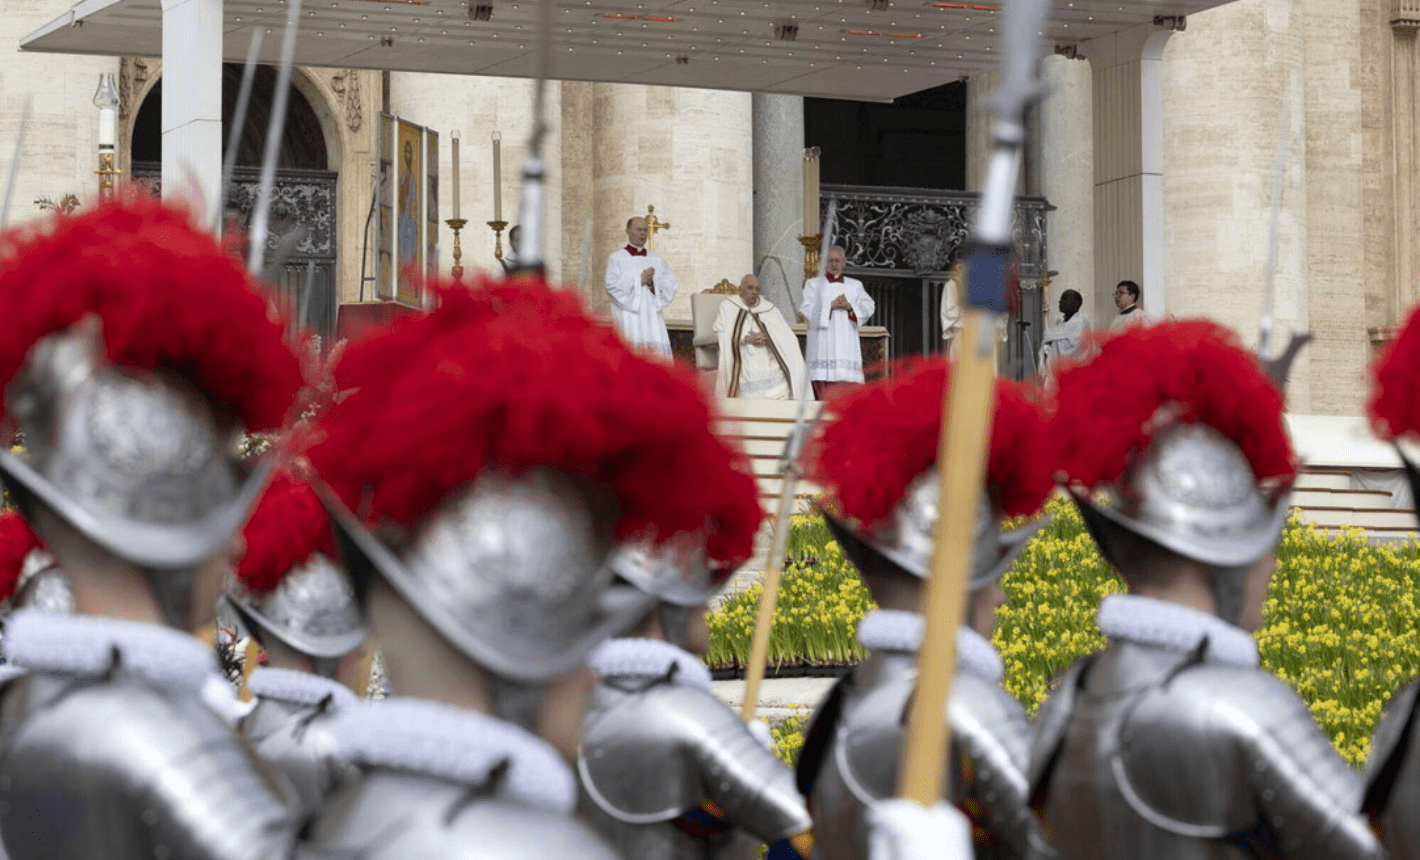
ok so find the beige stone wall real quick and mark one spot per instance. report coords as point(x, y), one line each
point(477, 107)
point(60, 146)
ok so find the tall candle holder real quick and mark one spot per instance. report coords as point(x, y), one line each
point(498, 226)
point(811, 244)
point(457, 224)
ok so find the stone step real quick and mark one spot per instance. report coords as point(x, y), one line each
point(1324, 479)
point(779, 698)
point(1391, 519)
point(1340, 498)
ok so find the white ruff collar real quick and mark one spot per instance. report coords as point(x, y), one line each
point(84, 645)
point(299, 688)
point(457, 744)
point(648, 658)
point(1175, 628)
point(896, 630)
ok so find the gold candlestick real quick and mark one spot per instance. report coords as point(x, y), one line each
point(810, 244)
point(498, 226)
point(457, 224)
point(108, 174)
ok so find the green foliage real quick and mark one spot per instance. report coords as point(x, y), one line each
point(789, 737)
point(1053, 590)
point(821, 600)
point(1340, 618)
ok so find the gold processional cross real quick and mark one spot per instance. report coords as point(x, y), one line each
point(653, 226)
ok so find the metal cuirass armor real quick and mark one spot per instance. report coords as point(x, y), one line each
point(295, 739)
point(384, 814)
point(118, 767)
point(859, 763)
point(1392, 797)
point(653, 751)
point(1147, 752)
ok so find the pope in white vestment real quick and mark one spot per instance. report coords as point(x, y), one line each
point(640, 285)
point(759, 355)
point(834, 307)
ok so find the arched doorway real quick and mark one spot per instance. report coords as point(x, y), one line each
point(303, 215)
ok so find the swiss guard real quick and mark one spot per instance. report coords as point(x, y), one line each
point(1392, 795)
point(667, 770)
point(1173, 742)
point(296, 602)
point(875, 460)
point(134, 353)
point(483, 464)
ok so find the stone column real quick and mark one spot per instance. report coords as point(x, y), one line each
point(1067, 181)
point(1129, 164)
point(1405, 101)
point(685, 152)
point(192, 97)
point(1234, 89)
point(778, 195)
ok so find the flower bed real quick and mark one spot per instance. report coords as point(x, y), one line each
point(1340, 618)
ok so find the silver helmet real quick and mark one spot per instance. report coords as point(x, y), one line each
point(312, 609)
point(907, 541)
point(135, 461)
point(510, 570)
point(679, 573)
point(1193, 492)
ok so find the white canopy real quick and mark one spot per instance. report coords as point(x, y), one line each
point(843, 48)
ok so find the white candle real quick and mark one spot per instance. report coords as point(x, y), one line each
point(811, 224)
point(457, 176)
point(497, 176)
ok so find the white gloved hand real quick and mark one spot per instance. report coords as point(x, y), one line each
point(907, 830)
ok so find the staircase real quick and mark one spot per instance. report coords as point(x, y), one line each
point(1323, 493)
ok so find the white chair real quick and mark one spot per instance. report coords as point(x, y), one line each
point(704, 307)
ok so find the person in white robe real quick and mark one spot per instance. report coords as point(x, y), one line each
point(1126, 298)
point(1064, 341)
point(640, 285)
point(834, 307)
point(759, 355)
point(951, 307)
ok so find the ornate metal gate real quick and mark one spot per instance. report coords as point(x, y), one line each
point(305, 281)
point(899, 242)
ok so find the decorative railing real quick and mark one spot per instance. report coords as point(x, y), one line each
point(899, 242)
point(305, 281)
point(911, 232)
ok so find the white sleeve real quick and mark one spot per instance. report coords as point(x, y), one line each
point(623, 286)
point(863, 304)
point(666, 284)
point(808, 308)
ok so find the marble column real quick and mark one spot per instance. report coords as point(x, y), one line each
point(1129, 164)
point(778, 195)
point(192, 98)
point(684, 151)
point(1238, 116)
point(1067, 181)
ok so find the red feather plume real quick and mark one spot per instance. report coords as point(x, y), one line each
point(882, 436)
point(16, 541)
point(1394, 405)
point(516, 375)
point(1107, 408)
point(288, 525)
point(168, 296)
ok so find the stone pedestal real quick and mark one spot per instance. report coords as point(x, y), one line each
point(778, 195)
point(192, 98)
